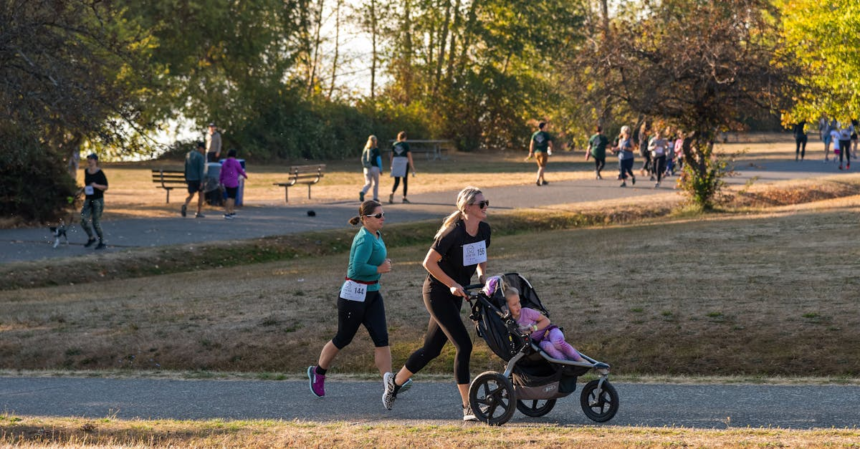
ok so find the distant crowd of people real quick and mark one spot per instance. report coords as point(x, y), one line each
point(662, 153)
point(841, 135)
point(198, 180)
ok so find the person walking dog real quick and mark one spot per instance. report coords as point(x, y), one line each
point(95, 186)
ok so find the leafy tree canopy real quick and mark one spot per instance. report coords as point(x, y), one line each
point(827, 43)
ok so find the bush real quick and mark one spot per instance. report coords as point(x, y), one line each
point(34, 182)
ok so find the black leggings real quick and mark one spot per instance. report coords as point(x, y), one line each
point(599, 163)
point(445, 324)
point(405, 184)
point(659, 165)
point(845, 150)
point(801, 147)
point(352, 314)
point(647, 165)
point(625, 166)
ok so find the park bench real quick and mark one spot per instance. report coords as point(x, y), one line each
point(169, 179)
point(302, 174)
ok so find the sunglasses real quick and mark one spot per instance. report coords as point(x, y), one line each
point(482, 204)
point(377, 216)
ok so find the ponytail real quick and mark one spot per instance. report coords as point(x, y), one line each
point(449, 221)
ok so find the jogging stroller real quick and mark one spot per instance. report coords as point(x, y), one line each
point(532, 380)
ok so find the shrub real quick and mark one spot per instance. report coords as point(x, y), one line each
point(34, 183)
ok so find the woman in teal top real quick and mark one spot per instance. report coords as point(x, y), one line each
point(360, 302)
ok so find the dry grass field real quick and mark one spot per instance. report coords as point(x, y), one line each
point(38, 432)
point(132, 192)
point(760, 295)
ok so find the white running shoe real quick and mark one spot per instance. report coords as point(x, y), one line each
point(388, 396)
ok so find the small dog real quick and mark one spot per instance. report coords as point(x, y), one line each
point(59, 231)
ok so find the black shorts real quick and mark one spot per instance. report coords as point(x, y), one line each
point(231, 192)
point(353, 314)
point(194, 186)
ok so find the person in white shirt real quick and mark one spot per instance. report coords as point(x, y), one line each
point(834, 137)
point(657, 146)
point(845, 132)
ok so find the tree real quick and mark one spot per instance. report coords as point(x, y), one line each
point(699, 65)
point(68, 73)
point(482, 68)
point(826, 40)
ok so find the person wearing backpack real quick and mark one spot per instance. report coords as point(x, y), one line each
point(371, 160)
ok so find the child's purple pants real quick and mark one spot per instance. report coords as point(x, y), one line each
point(554, 345)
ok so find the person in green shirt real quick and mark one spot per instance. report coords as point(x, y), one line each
point(360, 302)
point(195, 178)
point(400, 149)
point(597, 149)
point(541, 147)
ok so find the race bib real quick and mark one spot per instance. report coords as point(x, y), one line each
point(89, 190)
point(398, 167)
point(353, 291)
point(474, 253)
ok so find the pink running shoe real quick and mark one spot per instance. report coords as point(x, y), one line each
point(317, 382)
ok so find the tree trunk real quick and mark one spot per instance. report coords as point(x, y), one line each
point(604, 12)
point(468, 34)
point(373, 50)
point(316, 51)
point(443, 38)
point(406, 30)
point(336, 49)
point(453, 47)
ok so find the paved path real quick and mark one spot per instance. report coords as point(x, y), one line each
point(260, 221)
point(697, 406)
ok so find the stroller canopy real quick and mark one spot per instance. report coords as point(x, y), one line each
point(490, 314)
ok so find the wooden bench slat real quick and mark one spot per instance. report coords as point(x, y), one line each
point(302, 174)
point(168, 178)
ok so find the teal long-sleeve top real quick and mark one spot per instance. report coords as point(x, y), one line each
point(367, 253)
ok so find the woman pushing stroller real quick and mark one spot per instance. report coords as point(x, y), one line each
point(459, 250)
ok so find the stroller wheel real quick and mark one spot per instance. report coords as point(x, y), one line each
point(602, 408)
point(492, 398)
point(535, 407)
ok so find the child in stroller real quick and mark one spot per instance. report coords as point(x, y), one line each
point(547, 335)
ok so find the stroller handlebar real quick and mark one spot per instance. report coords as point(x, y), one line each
point(469, 287)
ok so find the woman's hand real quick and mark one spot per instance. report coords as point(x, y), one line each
point(457, 290)
point(385, 267)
